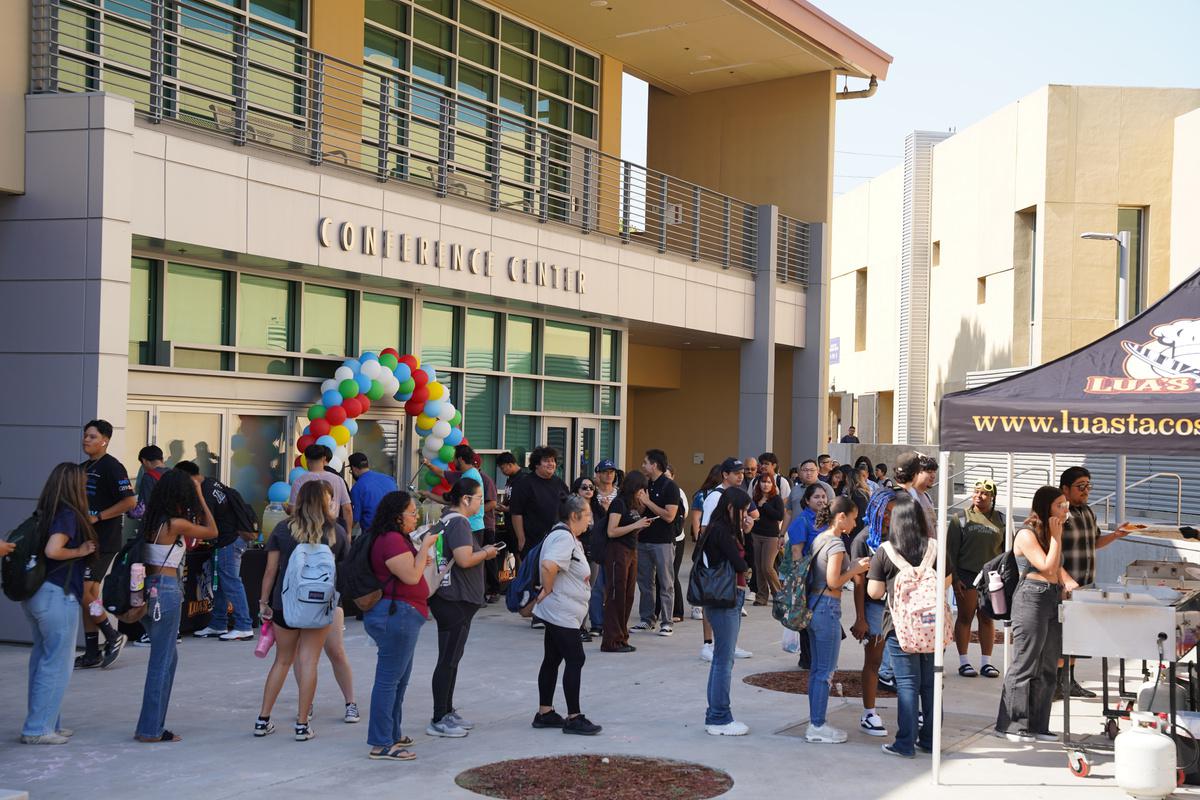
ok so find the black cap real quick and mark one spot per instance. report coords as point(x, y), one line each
point(357, 460)
point(732, 464)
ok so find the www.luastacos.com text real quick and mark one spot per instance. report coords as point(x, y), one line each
point(1088, 424)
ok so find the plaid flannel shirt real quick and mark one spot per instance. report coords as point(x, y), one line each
point(1079, 544)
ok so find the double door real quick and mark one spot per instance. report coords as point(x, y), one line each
point(576, 441)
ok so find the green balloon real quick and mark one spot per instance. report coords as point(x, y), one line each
point(407, 387)
point(388, 360)
point(446, 453)
point(431, 479)
point(316, 411)
point(456, 420)
point(348, 388)
point(377, 391)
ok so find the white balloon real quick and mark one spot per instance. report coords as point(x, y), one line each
point(342, 452)
point(335, 464)
point(441, 429)
point(330, 385)
point(343, 374)
point(447, 413)
point(391, 382)
point(372, 369)
point(434, 443)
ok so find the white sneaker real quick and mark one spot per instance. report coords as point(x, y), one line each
point(706, 652)
point(208, 633)
point(745, 613)
point(824, 734)
point(697, 612)
point(665, 630)
point(734, 728)
point(872, 725)
point(236, 636)
point(740, 653)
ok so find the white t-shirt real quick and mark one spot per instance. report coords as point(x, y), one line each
point(567, 605)
point(710, 504)
point(682, 514)
point(927, 506)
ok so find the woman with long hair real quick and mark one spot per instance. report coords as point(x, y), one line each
point(1037, 633)
point(595, 546)
point(972, 540)
point(766, 535)
point(722, 541)
point(863, 463)
point(394, 623)
point(455, 603)
point(868, 622)
point(837, 481)
point(830, 570)
point(66, 537)
point(176, 510)
point(803, 530)
point(297, 649)
point(909, 537)
point(625, 520)
point(696, 515)
point(858, 491)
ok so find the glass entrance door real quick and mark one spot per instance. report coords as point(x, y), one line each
point(589, 440)
point(557, 433)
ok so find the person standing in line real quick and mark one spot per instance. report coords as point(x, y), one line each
point(721, 542)
point(370, 487)
point(1037, 632)
point(491, 497)
point(110, 496)
point(679, 546)
point(793, 475)
point(394, 623)
point(177, 501)
point(316, 456)
point(535, 500)
point(53, 611)
point(881, 476)
point(562, 606)
point(825, 466)
point(804, 530)
point(972, 540)
point(300, 648)
point(831, 570)
point(860, 493)
point(749, 475)
point(866, 471)
point(732, 475)
point(513, 475)
point(796, 503)
point(626, 519)
point(151, 459)
point(656, 545)
point(456, 601)
point(910, 537)
point(768, 469)
point(837, 482)
point(915, 474)
point(711, 482)
point(599, 549)
point(850, 437)
point(868, 622)
point(766, 535)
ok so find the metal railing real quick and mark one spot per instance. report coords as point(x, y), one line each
point(260, 85)
point(1107, 499)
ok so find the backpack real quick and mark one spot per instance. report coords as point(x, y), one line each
point(356, 579)
point(789, 606)
point(524, 589)
point(245, 521)
point(1006, 565)
point(139, 510)
point(916, 591)
point(115, 593)
point(309, 593)
point(23, 571)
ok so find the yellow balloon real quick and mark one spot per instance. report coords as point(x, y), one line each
point(303, 462)
point(425, 421)
point(436, 391)
point(417, 359)
point(340, 434)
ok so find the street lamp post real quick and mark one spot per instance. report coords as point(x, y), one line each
point(1122, 240)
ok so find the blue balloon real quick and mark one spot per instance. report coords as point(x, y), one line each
point(307, 430)
point(432, 407)
point(296, 473)
point(437, 462)
point(454, 438)
point(369, 356)
point(364, 383)
point(351, 425)
point(423, 432)
point(401, 397)
point(354, 364)
point(329, 442)
point(331, 398)
point(279, 492)
point(402, 372)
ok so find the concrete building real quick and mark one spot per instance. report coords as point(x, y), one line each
point(209, 204)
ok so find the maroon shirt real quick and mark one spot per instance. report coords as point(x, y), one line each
point(390, 545)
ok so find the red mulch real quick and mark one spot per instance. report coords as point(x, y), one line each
point(999, 636)
point(584, 777)
point(796, 682)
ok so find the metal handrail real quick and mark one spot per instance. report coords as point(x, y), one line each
point(259, 86)
point(1178, 494)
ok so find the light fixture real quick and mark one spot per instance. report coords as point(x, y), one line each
point(598, 3)
point(729, 67)
point(704, 58)
point(668, 27)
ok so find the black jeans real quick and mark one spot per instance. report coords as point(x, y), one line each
point(454, 626)
point(1037, 643)
point(561, 644)
point(491, 567)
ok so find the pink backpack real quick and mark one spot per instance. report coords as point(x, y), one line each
point(916, 591)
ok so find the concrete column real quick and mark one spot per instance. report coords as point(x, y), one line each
point(756, 399)
point(810, 364)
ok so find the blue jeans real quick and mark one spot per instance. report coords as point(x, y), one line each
point(885, 667)
point(825, 636)
point(162, 625)
point(396, 635)
point(596, 604)
point(230, 589)
point(914, 684)
point(54, 617)
point(725, 622)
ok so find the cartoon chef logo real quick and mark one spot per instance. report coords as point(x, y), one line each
point(1169, 363)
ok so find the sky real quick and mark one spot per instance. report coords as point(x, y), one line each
point(957, 61)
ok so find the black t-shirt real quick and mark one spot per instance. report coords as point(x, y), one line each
point(107, 484)
point(536, 501)
point(663, 492)
point(628, 517)
point(281, 539)
point(860, 549)
point(598, 535)
point(215, 494)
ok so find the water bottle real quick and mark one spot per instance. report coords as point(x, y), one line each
point(266, 638)
point(273, 514)
point(137, 584)
point(996, 592)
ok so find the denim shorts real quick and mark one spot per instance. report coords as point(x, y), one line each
point(874, 613)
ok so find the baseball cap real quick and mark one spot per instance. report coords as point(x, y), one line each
point(732, 464)
point(605, 465)
point(357, 460)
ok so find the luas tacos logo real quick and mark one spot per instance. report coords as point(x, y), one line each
point(1169, 363)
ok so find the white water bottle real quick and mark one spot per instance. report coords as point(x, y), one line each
point(996, 592)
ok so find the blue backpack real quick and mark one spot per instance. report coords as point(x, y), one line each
point(524, 589)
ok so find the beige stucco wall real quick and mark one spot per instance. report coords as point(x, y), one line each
point(1185, 198)
point(14, 82)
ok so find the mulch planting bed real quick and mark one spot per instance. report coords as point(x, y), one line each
point(584, 777)
point(796, 682)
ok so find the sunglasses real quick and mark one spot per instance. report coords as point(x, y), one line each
point(586, 487)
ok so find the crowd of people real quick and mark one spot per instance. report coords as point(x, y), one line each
point(855, 528)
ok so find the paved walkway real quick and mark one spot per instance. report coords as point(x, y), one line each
point(650, 703)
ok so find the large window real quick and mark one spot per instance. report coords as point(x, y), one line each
point(326, 320)
point(438, 335)
point(141, 309)
point(568, 350)
point(197, 313)
point(265, 323)
point(1133, 220)
point(383, 324)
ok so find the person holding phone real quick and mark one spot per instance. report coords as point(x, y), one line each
point(625, 520)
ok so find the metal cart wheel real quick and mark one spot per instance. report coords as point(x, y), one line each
point(1111, 729)
point(1077, 762)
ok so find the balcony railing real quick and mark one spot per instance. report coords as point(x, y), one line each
point(260, 85)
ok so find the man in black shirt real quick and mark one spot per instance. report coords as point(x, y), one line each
point(513, 475)
point(110, 495)
point(533, 508)
point(656, 545)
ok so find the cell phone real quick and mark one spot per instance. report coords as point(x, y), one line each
point(500, 546)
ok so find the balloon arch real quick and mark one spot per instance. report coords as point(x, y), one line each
point(361, 381)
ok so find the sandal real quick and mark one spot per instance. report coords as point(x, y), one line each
point(988, 671)
point(404, 741)
point(967, 671)
point(167, 736)
point(391, 754)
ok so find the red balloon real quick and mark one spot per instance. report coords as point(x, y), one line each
point(410, 360)
point(413, 407)
point(420, 377)
point(304, 441)
point(353, 409)
point(335, 415)
point(296, 463)
point(421, 394)
point(390, 351)
point(319, 427)
point(364, 403)
point(438, 489)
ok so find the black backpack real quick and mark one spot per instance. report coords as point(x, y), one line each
point(1006, 565)
point(355, 578)
point(114, 594)
point(23, 571)
point(238, 512)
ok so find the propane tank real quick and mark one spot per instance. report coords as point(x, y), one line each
point(1145, 758)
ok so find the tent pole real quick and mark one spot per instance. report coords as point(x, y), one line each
point(939, 650)
point(1009, 531)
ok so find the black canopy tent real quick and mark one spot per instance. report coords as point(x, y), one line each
point(1134, 391)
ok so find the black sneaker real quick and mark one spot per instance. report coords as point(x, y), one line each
point(88, 662)
point(581, 726)
point(302, 732)
point(886, 684)
point(551, 719)
point(263, 727)
point(584, 636)
point(112, 651)
point(1079, 691)
point(536, 624)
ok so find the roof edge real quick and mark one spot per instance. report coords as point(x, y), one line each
point(805, 18)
